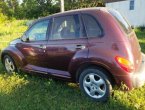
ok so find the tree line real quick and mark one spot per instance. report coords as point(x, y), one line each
point(29, 9)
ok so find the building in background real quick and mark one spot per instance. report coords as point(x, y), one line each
point(133, 10)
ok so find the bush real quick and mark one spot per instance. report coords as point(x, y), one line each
point(3, 18)
point(141, 28)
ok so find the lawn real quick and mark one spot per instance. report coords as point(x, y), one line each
point(27, 92)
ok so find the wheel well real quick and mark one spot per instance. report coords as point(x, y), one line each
point(85, 66)
point(4, 54)
point(3, 57)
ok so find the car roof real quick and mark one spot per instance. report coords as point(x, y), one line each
point(70, 11)
point(74, 11)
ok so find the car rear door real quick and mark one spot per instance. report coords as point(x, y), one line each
point(66, 40)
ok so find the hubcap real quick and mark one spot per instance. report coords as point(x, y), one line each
point(94, 85)
point(9, 65)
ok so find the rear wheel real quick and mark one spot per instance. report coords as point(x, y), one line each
point(95, 84)
point(9, 64)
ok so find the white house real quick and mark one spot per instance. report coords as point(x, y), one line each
point(133, 10)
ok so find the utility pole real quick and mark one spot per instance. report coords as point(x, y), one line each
point(62, 5)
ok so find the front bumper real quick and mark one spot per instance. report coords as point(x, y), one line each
point(138, 78)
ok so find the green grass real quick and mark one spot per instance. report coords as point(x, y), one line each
point(31, 92)
point(11, 30)
point(141, 37)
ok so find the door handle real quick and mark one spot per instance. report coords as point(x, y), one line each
point(42, 46)
point(80, 46)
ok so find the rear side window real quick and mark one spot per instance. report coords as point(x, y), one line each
point(92, 27)
point(66, 27)
point(121, 20)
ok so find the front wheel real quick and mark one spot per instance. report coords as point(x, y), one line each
point(9, 64)
point(95, 84)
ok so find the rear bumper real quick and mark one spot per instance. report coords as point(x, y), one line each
point(138, 78)
point(133, 80)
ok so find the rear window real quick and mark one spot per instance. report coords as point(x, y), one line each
point(121, 20)
point(92, 27)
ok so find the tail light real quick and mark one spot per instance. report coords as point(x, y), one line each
point(124, 64)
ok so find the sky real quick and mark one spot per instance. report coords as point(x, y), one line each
point(20, 1)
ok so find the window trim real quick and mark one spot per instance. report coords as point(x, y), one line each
point(81, 28)
point(47, 32)
point(102, 31)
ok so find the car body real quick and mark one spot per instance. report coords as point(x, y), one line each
point(69, 45)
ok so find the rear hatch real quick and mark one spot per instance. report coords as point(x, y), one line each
point(136, 50)
point(131, 36)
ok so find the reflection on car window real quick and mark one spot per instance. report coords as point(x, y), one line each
point(38, 31)
point(67, 27)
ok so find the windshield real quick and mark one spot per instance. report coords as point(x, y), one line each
point(121, 20)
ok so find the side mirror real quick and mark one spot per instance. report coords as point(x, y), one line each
point(24, 38)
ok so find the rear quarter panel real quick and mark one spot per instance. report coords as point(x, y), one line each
point(80, 58)
point(104, 49)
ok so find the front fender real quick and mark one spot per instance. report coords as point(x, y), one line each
point(17, 56)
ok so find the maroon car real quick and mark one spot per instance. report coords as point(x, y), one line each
point(94, 47)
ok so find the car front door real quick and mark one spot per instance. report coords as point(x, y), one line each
point(66, 40)
point(34, 44)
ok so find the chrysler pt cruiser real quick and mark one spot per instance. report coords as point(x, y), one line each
point(94, 47)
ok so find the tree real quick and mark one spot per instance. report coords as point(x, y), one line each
point(38, 8)
point(9, 7)
point(75, 4)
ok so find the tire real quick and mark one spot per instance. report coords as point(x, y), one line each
point(9, 64)
point(95, 84)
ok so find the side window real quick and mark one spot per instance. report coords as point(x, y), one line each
point(67, 27)
point(92, 27)
point(38, 31)
point(131, 7)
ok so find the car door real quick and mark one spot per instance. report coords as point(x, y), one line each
point(33, 46)
point(66, 40)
